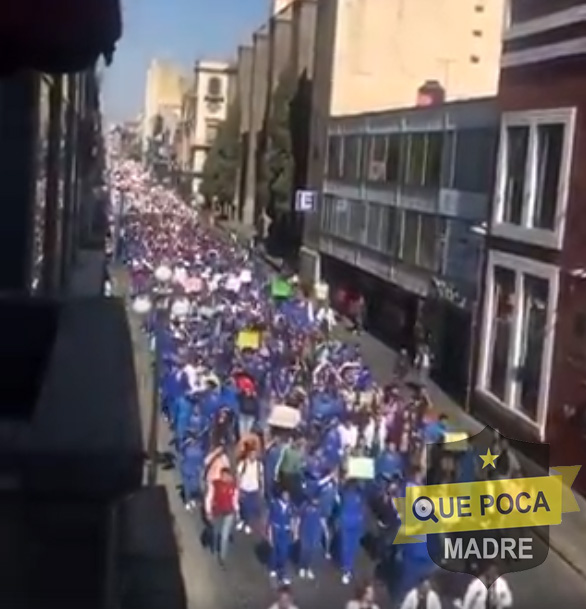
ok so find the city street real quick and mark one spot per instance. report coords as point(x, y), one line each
point(245, 583)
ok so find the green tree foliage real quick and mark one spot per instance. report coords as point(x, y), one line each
point(279, 152)
point(220, 170)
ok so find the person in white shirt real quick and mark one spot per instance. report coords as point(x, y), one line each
point(348, 432)
point(478, 596)
point(326, 318)
point(375, 434)
point(250, 475)
point(422, 597)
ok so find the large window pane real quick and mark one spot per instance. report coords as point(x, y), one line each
point(393, 228)
point(550, 141)
point(517, 142)
point(428, 247)
point(394, 160)
point(411, 237)
point(334, 156)
point(416, 160)
point(373, 230)
point(351, 160)
point(449, 151)
point(377, 158)
point(341, 218)
point(473, 164)
point(534, 318)
point(357, 221)
point(433, 159)
point(501, 331)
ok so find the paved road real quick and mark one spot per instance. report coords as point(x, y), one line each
point(245, 585)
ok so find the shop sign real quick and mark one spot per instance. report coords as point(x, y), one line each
point(444, 290)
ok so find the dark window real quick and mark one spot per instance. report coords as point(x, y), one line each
point(334, 163)
point(517, 143)
point(416, 159)
point(373, 229)
point(214, 87)
point(377, 154)
point(394, 158)
point(357, 225)
point(449, 150)
point(351, 160)
point(474, 160)
point(366, 147)
point(427, 255)
point(411, 237)
point(550, 143)
point(433, 159)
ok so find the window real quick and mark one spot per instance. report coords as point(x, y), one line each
point(377, 155)
point(374, 222)
point(517, 142)
point(427, 256)
point(214, 87)
point(448, 164)
point(518, 334)
point(533, 176)
point(504, 299)
point(534, 324)
point(416, 159)
point(550, 142)
point(474, 59)
point(334, 162)
point(477, 33)
point(393, 232)
point(341, 219)
point(211, 131)
point(433, 159)
point(351, 159)
point(411, 240)
point(394, 158)
point(473, 164)
point(479, 8)
point(357, 225)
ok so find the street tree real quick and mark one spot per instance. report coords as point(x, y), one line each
point(220, 170)
point(280, 161)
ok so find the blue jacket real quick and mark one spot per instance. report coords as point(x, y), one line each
point(352, 509)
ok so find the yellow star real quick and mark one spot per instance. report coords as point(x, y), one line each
point(488, 459)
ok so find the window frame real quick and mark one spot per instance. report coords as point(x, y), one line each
point(525, 232)
point(520, 266)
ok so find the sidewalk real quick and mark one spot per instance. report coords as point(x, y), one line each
point(568, 540)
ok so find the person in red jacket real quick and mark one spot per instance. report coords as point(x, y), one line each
point(221, 507)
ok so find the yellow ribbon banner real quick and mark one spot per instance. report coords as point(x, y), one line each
point(482, 506)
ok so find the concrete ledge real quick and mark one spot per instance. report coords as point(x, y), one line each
point(84, 437)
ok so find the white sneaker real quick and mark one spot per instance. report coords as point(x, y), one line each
point(328, 556)
point(302, 573)
point(188, 506)
point(239, 526)
point(346, 579)
point(272, 574)
point(247, 530)
point(285, 581)
point(310, 574)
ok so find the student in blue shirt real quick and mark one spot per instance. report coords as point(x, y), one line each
point(310, 535)
point(281, 534)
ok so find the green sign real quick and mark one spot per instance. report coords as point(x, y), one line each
point(281, 288)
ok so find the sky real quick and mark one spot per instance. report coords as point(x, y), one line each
point(176, 30)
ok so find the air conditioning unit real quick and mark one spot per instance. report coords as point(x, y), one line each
point(377, 171)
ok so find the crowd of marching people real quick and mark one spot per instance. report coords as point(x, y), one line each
point(279, 428)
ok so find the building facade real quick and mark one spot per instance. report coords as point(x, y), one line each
point(532, 360)
point(165, 85)
point(452, 45)
point(404, 195)
point(211, 95)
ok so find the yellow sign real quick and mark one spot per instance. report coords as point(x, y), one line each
point(248, 339)
point(480, 506)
